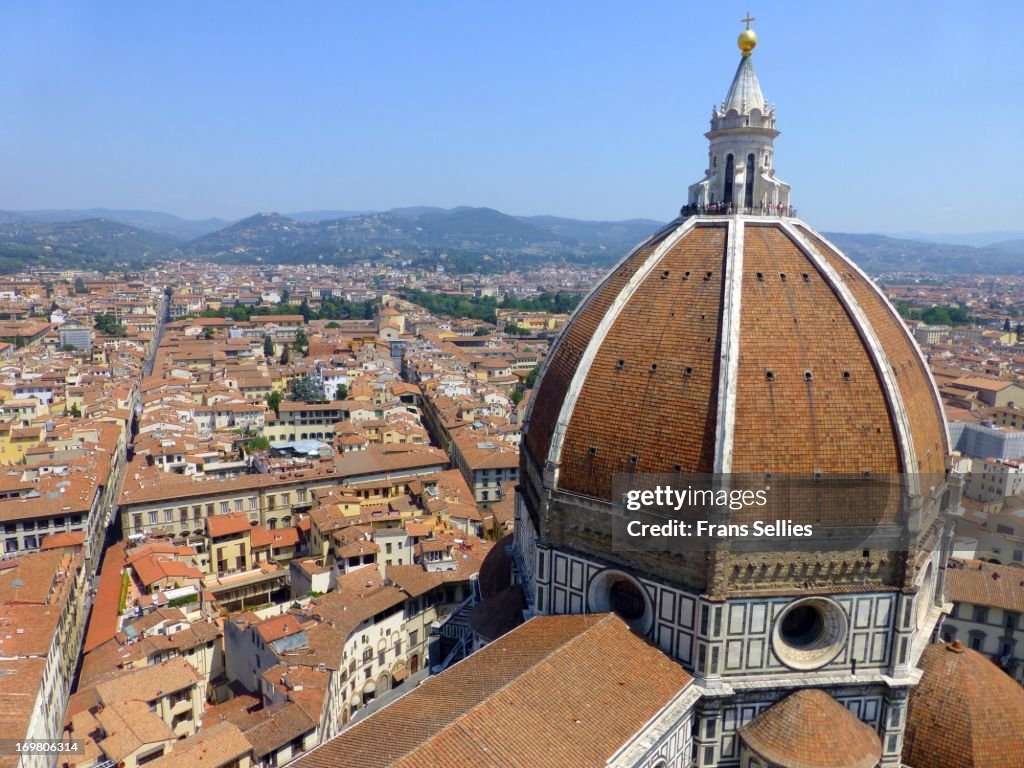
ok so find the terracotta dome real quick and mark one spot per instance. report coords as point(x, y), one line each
point(965, 713)
point(738, 344)
point(810, 729)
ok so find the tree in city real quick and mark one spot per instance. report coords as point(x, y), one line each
point(305, 389)
point(80, 286)
point(333, 324)
point(208, 333)
point(938, 315)
point(274, 402)
point(304, 311)
point(76, 412)
point(301, 341)
point(268, 346)
point(531, 378)
point(511, 329)
point(109, 325)
point(285, 357)
point(341, 393)
point(516, 396)
point(1006, 325)
point(1020, 333)
point(259, 443)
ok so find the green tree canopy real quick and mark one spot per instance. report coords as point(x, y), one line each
point(305, 389)
point(259, 443)
point(274, 401)
point(108, 324)
point(531, 378)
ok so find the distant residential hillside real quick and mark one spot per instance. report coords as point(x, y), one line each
point(877, 253)
point(462, 239)
point(90, 243)
point(459, 239)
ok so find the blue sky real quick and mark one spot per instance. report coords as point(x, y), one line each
point(894, 116)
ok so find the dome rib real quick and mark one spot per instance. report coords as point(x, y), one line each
point(901, 421)
point(921, 380)
point(558, 366)
point(601, 333)
point(729, 348)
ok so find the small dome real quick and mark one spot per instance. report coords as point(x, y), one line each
point(830, 736)
point(965, 713)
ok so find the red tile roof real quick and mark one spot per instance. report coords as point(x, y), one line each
point(226, 525)
point(810, 729)
point(518, 702)
point(965, 713)
point(103, 620)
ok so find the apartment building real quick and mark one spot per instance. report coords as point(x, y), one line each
point(988, 603)
point(43, 610)
point(485, 463)
point(169, 504)
point(994, 479)
point(45, 499)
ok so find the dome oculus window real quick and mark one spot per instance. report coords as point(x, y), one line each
point(809, 633)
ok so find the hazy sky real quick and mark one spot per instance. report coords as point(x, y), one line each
point(894, 116)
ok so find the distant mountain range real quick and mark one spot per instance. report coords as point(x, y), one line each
point(977, 239)
point(151, 221)
point(461, 239)
point(85, 243)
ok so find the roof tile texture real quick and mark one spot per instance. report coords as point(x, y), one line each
point(659, 404)
point(571, 345)
point(809, 395)
point(965, 713)
point(517, 702)
point(810, 729)
point(792, 325)
point(912, 376)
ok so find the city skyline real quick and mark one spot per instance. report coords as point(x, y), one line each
point(197, 112)
point(430, 487)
